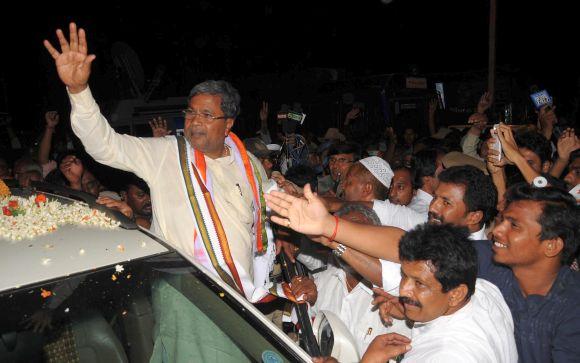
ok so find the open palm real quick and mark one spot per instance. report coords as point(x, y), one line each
point(72, 63)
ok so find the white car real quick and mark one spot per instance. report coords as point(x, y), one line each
point(91, 294)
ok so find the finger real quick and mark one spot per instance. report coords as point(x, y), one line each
point(74, 40)
point(279, 220)
point(380, 292)
point(53, 52)
point(379, 300)
point(62, 40)
point(82, 41)
point(399, 349)
point(88, 60)
point(396, 337)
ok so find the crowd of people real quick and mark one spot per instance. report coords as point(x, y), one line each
point(433, 249)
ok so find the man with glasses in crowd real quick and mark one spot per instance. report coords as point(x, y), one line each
point(340, 158)
point(180, 172)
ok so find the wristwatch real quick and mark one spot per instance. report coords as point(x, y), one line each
point(339, 250)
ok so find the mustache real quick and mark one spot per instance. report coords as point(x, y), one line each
point(408, 301)
point(435, 216)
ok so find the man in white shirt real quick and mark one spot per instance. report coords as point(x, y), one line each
point(456, 317)
point(342, 291)
point(427, 164)
point(209, 159)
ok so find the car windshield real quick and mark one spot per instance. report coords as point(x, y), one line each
point(158, 309)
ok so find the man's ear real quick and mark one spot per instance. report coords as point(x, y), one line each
point(474, 217)
point(457, 295)
point(229, 125)
point(368, 189)
point(553, 247)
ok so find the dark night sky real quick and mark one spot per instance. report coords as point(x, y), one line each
point(362, 37)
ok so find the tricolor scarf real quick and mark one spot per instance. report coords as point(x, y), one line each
point(211, 246)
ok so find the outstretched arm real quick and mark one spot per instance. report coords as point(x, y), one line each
point(309, 216)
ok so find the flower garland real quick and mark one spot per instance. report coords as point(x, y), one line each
point(26, 218)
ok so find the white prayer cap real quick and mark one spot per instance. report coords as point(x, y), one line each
point(379, 168)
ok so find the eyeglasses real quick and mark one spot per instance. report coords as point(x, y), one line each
point(191, 114)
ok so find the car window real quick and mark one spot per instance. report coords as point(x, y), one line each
point(151, 309)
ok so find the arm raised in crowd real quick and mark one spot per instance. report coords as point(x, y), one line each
point(51, 118)
point(309, 216)
point(567, 143)
point(512, 153)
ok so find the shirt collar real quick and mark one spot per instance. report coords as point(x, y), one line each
point(479, 235)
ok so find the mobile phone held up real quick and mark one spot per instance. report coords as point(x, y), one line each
point(496, 142)
point(541, 99)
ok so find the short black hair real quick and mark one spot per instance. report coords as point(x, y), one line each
point(412, 174)
point(345, 148)
point(134, 180)
point(230, 97)
point(301, 175)
point(480, 193)
point(448, 248)
point(535, 142)
point(560, 215)
point(425, 164)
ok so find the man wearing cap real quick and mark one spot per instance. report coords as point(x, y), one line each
point(209, 160)
point(264, 153)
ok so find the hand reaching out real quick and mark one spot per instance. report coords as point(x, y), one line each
point(73, 64)
point(385, 347)
point(119, 205)
point(305, 215)
point(159, 127)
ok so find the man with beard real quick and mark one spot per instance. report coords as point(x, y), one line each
point(464, 197)
point(198, 183)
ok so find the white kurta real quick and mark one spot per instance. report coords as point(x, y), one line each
point(421, 201)
point(156, 161)
point(399, 216)
point(482, 331)
point(354, 308)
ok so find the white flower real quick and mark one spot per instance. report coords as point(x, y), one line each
point(43, 218)
point(119, 268)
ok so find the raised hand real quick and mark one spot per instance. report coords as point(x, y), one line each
point(567, 143)
point(508, 142)
point(385, 347)
point(433, 103)
point(484, 102)
point(308, 216)
point(478, 120)
point(51, 118)
point(159, 127)
point(547, 119)
point(72, 64)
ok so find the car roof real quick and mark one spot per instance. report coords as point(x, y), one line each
point(69, 250)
